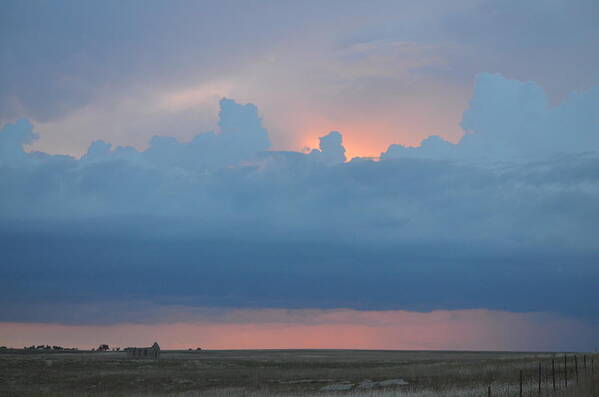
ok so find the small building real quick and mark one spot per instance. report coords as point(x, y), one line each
point(152, 352)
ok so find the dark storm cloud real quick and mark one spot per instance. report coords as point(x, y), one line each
point(506, 219)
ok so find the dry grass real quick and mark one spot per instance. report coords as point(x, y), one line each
point(299, 373)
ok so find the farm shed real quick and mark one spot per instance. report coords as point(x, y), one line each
point(144, 352)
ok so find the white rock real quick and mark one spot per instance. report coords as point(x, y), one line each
point(337, 387)
point(392, 382)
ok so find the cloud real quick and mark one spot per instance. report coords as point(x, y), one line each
point(222, 221)
point(511, 120)
point(240, 137)
point(392, 73)
point(12, 139)
point(331, 149)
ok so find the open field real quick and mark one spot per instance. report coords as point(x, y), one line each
point(293, 373)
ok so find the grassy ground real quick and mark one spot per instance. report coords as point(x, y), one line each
point(290, 373)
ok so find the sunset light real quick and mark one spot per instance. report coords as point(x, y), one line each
point(299, 198)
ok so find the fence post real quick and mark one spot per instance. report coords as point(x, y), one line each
point(539, 378)
point(584, 359)
point(520, 383)
point(553, 372)
point(566, 370)
point(576, 368)
point(489, 391)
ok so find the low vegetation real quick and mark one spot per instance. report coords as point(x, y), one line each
point(293, 373)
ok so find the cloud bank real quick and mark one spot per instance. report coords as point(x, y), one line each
point(501, 220)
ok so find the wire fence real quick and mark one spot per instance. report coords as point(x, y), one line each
point(567, 375)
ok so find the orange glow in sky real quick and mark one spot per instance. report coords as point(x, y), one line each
point(326, 329)
point(356, 139)
point(363, 135)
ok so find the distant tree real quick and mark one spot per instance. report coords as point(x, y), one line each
point(103, 348)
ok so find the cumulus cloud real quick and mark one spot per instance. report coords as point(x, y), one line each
point(241, 136)
point(331, 149)
point(512, 120)
point(12, 139)
point(408, 66)
point(222, 221)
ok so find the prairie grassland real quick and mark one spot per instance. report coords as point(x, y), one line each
point(300, 373)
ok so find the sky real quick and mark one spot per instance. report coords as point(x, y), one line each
point(346, 174)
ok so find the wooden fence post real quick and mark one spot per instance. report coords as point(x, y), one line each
point(566, 370)
point(553, 372)
point(576, 367)
point(520, 383)
point(539, 378)
point(489, 391)
point(584, 359)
